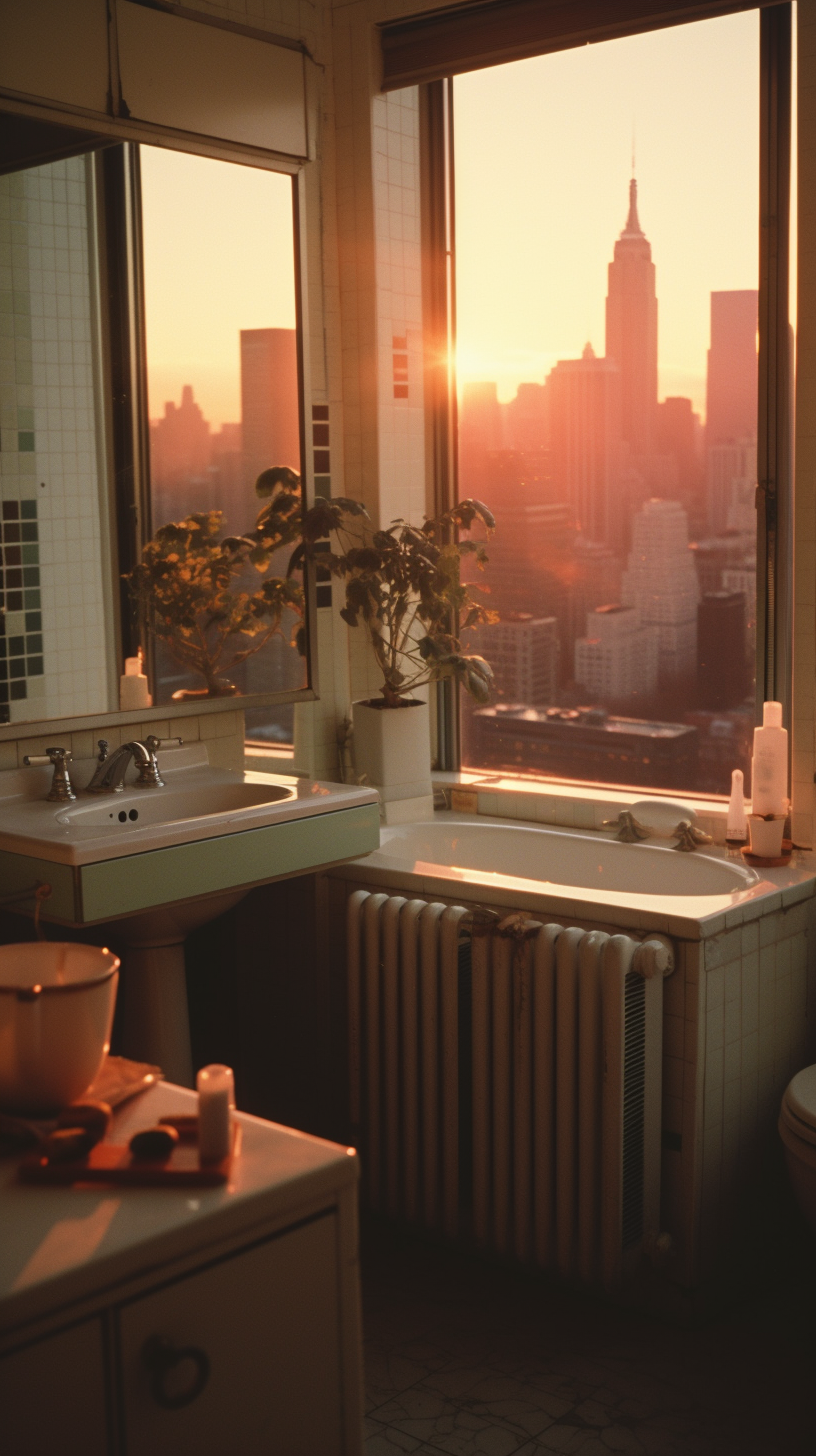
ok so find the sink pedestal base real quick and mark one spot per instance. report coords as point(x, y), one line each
point(155, 1016)
point(155, 1021)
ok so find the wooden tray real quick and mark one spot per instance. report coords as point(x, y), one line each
point(113, 1163)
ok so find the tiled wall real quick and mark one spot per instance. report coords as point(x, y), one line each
point(223, 734)
point(757, 1019)
point(52, 495)
point(399, 306)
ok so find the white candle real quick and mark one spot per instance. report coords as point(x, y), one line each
point(216, 1101)
point(133, 691)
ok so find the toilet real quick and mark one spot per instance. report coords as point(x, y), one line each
point(797, 1128)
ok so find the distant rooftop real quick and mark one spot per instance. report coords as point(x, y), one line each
point(562, 720)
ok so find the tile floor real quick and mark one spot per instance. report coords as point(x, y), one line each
point(465, 1358)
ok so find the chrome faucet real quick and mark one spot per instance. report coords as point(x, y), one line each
point(61, 791)
point(628, 827)
point(109, 774)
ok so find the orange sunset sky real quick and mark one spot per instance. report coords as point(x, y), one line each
point(543, 160)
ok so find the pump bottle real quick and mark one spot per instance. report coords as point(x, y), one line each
point(769, 765)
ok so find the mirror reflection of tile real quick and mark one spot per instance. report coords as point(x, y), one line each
point(53, 613)
point(21, 639)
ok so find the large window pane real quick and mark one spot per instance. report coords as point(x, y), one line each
point(219, 271)
point(606, 253)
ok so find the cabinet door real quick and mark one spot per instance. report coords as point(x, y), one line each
point(52, 1395)
point(242, 1356)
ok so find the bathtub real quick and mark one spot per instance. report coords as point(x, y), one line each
point(570, 872)
point(738, 1017)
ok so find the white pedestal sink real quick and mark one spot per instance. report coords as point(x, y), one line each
point(159, 862)
point(153, 984)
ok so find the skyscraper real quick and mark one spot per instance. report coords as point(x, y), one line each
point(180, 451)
point(526, 426)
point(721, 657)
point(523, 652)
point(631, 330)
point(480, 434)
point(616, 662)
point(270, 412)
point(731, 385)
point(661, 581)
point(584, 406)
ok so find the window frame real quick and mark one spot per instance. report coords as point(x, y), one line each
point(775, 442)
point(125, 423)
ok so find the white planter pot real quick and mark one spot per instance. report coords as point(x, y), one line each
point(392, 747)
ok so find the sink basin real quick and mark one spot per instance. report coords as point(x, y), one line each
point(199, 799)
point(197, 803)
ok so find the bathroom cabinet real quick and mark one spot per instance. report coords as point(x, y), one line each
point(139, 1322)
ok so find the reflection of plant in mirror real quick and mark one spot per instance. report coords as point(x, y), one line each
point(405, 586)
point(188, 585)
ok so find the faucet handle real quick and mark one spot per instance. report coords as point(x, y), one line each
point(630, 830)
point(687, 836)
point(61, 790)
point(53, 756)
point(154, 744)
point(102, 745)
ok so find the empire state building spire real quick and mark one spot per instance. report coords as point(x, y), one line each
point(633, 228)
point(631, 330)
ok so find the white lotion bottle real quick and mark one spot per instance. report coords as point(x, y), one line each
point(736, 824)
point(769, 765)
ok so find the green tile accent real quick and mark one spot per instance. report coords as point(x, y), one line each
point(25, 439)
point(31, 555)
point(28, 510)
point(164, 876)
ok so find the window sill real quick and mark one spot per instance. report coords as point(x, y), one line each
point(569, 805)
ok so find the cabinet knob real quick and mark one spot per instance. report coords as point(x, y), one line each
point(161, 1357)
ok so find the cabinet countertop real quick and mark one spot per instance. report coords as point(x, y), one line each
point(61, 1245)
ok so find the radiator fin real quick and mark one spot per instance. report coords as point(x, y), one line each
point(502, 1083)
point(634, 1095)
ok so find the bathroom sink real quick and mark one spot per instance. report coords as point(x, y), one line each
point(160, 862)
point(208, 830)
point(198, 800)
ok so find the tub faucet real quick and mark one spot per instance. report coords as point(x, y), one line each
point(688, 837)
point(628, 827)
point(109, 774)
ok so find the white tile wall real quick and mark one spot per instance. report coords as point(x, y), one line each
point(395, 140)
point(50, 385)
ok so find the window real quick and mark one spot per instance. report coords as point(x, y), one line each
point(222, 377)
point(607, 309)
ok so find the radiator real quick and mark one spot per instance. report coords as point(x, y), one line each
point(505, 1081)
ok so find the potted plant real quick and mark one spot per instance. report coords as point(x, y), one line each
point(404, 586)
point(195, 590)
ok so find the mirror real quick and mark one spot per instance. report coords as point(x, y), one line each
point(150, 375)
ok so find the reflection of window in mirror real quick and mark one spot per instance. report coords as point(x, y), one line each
point(223, 396)
point(57, 650)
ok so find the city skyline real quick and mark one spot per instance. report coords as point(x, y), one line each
point(598, 488)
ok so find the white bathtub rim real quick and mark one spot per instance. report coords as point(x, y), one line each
point(689, 917)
